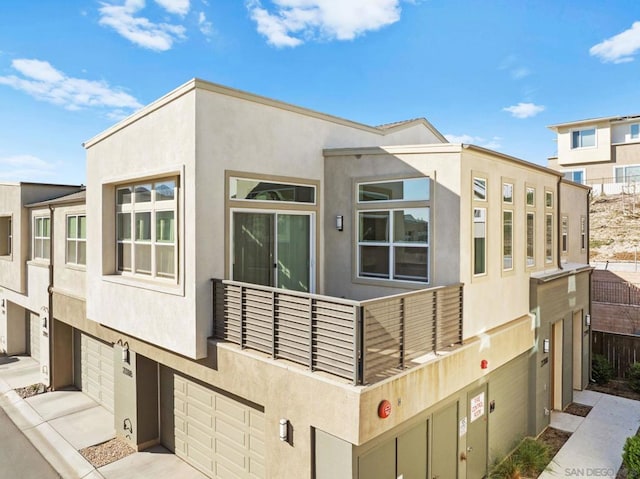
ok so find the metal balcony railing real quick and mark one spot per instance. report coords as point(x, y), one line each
point(362, 341)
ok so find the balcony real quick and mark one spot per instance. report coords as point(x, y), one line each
point(361, 341)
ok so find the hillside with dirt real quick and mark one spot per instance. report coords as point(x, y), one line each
point(615, 228)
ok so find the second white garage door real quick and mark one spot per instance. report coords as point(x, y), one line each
point(217, 434)
point(97, 370)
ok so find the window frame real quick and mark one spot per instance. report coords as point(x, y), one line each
point(580, 132)
point(530, 259)
point(390, 207)
point(137, 210)
point(234, 178)
point(44, 248)
point(475, 193)
point(77, 240)
point(625, 176)
point(548, 238)
point(564, 247)
point(7, 232)
point(476, 257)
point(504, 241)
point(581, 171)
point(634, 135)
point(583, 233)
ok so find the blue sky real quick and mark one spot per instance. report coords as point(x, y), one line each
point(491, 73)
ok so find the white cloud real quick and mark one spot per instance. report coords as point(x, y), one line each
point(519, 73)
point(17, 168)
point(140, 30)
point(620, 48)
point(206, 27)
point(492, 144)
point(512, 64)
point(524, 110)
point(292, 22)
point(43, 82)
point(179, 7)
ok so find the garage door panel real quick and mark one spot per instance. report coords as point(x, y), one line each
point(222, 437)
point(97, 370)
point(34, 336)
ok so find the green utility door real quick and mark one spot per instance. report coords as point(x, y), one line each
point(444, 449)
point(273, 249)
point(477, 417)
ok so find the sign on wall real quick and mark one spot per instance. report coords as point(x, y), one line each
point(477, 406)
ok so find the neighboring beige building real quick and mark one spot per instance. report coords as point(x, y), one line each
point(272, 292)
point(603, 153)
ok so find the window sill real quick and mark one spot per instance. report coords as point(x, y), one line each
point(157, 286)
point(40, 263)
point(390, 283)
point(6, 257)
point(76, 267)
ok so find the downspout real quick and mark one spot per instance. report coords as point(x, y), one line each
point(50, 294)
point(559, 224)
point(588, 240)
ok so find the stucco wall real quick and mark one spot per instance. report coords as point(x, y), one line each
point(568, 156)
point(574, 205)
point(68, 277)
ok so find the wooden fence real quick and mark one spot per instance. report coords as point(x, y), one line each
point(622, 350)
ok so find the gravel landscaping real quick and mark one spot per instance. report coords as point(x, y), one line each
point(107, 452)
point(32, 390)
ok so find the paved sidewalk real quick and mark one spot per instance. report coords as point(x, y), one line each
point(595, 447)
point(60, 423)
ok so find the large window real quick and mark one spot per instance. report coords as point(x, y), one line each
point(77, 239)
point(479, 241)
point(5, 236)
point(41, 237)
point(531, 239)
point(627, 174)
point(393, 243)
point(146, 228)
point(583, 138)
point(507, 240)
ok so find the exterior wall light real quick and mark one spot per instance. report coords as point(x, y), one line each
point(284, 426)
point(587, 320)
point(545, 346)
point(125, 353)
point(339, 222)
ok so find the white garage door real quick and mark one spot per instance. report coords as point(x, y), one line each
point(34, 336)
point(220, 436)
point(97, 370)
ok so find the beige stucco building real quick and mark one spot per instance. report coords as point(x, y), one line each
point(603, 153)
point(273, 292)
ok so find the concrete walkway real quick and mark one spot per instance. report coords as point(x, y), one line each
point(60, 423)
point(595, 447)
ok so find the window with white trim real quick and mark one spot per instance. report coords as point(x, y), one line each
point(507, 193)
point(6, 237)
point(548, 199)
point(565, 234)
point(146, 228)
point(479, 241)
point(77, 239)
point(41, 237)
point(627, 173)
point(393, 243)
point(583, 138)
point(531, 196)
point(479, 189)
point(577, 176)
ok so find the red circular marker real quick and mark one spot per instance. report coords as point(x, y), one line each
point(384, 409)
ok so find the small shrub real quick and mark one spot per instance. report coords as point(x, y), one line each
point(631, 456)
point(510, 468)
point(601, 369)
point(533, 456)
point(634, 377)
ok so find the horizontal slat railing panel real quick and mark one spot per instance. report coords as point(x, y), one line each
point(323, 333)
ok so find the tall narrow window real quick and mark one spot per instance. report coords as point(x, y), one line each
point(479, 240)
point(548, 238)
point(583, 233)
point(507, 192)
point(146, 228)
point(530, 239)
point(565, 234)
point(5, 235)
point(479, 189)
point(41, 237)
point(507, 240)
point(548, 199)
point(77, 239)
point(635, 131)
point(531, 196)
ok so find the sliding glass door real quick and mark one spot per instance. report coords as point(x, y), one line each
point(273, 249)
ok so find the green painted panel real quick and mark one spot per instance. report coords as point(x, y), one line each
point(477, 414)
point(379, 463)
point(444, 450)
point(567, 361)
point(412, 453)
